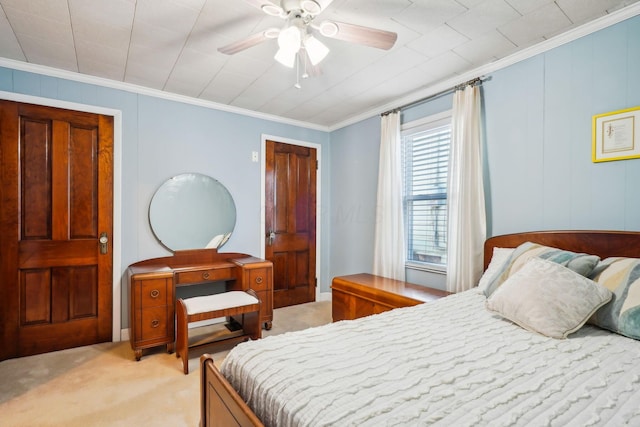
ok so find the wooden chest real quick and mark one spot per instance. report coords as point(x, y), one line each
point(360, 295)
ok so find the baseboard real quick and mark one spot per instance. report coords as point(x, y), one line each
point(324, 296)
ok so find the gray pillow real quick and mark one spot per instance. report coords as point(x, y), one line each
point(548, 298)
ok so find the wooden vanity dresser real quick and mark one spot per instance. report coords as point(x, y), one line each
point(152, 285)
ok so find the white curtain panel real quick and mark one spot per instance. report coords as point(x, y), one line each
point(467, 218)
point(389, 249)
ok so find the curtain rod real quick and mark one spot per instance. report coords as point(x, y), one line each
point(472, 82)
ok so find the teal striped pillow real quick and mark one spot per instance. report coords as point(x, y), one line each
point(622, 314)
point(583, 264)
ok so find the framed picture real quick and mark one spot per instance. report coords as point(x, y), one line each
point(615, 135)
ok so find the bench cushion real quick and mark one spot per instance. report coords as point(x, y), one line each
point(216, 302)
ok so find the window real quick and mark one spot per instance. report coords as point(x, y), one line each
point(425, 167)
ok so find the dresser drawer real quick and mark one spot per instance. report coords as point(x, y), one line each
point(258, 279)
point(153, 293)
point(153, 322)
point(204, 275)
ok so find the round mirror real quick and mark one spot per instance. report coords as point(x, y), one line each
point(192, 211)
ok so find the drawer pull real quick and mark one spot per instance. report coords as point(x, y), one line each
point(259, 280)
point(205, 275)
point(155, 293)
point(155, 323)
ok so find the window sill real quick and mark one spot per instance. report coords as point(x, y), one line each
point(424, 266)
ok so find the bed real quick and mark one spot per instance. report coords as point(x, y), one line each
point(452, 361)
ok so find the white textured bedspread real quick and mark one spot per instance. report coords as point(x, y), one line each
point(448, 362)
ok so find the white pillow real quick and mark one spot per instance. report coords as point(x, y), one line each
point(498, 259)
point(548, 298)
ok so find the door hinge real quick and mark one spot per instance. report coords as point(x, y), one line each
point(316, 165)
point(316, 282)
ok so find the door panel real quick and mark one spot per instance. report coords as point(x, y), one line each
point(290, 214)
point(36, 294)
point(80, 284)
point(35, 164)
point(83, 197)
point(57, 198)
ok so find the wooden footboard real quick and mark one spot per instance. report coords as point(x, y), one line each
point(220, 404)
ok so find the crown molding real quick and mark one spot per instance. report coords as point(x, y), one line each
point(559, 40)
point(156, 93)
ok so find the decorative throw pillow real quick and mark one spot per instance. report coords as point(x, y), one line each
point(547, 298)
point(622, 314)
point(498, 258)
point(583, 264)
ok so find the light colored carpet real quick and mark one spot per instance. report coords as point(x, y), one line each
point(103, 385)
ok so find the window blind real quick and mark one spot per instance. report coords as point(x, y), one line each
point(426, 164)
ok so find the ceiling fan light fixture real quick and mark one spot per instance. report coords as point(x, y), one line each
point(315, 49)
point(289, 42)
point(290, 38)
point(286, 57)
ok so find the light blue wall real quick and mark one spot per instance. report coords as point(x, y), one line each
point(162, 138)
point(538, 129)
point(354, 181)
point(539, 173)
point(177, 138)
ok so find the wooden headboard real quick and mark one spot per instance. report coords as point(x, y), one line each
point(602, 243)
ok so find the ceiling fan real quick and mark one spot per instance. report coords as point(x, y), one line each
point(297, 37)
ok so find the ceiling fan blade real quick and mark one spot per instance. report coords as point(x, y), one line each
point(358, 34)
point(245, 43)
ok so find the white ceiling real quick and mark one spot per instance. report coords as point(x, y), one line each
point(171, 45)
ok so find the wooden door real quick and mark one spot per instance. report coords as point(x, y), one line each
point(290, 222)
point(57, 199)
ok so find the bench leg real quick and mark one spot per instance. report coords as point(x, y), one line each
point(182, 335)
point(251, 325)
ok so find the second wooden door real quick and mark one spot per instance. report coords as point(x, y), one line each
point(290, 221)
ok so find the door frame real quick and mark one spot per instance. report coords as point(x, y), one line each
point(263, 174)
point(117, 188)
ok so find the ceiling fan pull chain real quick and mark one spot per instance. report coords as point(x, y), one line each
point(305, 74)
